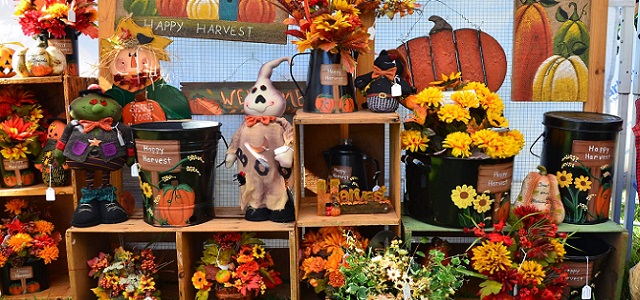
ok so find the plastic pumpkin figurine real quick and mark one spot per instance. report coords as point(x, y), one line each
point(131, 61)
point(52, 173)
point(262, 147)
point(96, 141)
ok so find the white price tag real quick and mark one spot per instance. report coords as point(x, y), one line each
point(586, 292)
point(406, 292)
point(396, 90)
point(134, 170)
point(50, 194)
point(71, 14)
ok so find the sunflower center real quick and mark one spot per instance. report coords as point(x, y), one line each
point(464, 195)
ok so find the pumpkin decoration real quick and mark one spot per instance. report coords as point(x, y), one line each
point(6, 57)
point(474, 53)
point(325, 104)
point(203, 9)
point(39, 61)
point(142, 110)
point(347, 104)
point(9, 180)
point(140, 7)
point(572, 38)
point(335, 211)
point(532, 45)
point(501, 210)
point(561, 79)
point(172, 8)
point(541, 190)
point(15, 289)
point(256, 11)
point(27, 178)
point(176, 204)
point(600, 205)
point(203, 106)
point(33, 286)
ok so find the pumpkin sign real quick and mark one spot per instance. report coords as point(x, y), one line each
point(561, 79)
point(176, 204)
point(203, 9)
point(473, 52)
point(572, 37)
point(172, 8)
point(256, 11)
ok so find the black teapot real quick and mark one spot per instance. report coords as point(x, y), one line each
point(347, 163)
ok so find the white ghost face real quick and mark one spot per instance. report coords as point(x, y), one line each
point(264, 100)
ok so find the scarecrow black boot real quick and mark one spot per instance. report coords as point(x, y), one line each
point(256, 214)
point(110, 210)
point(285, 215)
point(87, 213)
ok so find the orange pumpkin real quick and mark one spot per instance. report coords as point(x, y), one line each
point(202, 106)
point(15, 289)
point(474, 53)
point(325, 104)
point(602, 201)
point(347, 104)
point(142, 110)
point(256, 11)
point(9, 180)
point(27, 178)
point(172, 8)
point(335, 211)
point(33, 286)
point(6, 67)
point(501, 209)
point(176, 204)
point(533, 44)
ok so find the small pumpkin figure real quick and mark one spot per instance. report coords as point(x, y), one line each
point(96, 141)
point(52, 173)
point(541, 190)
point(6, 58)
point(39, 61)
point(384, 86)
point(15, 289)
point(142, 110)
point(262, 147)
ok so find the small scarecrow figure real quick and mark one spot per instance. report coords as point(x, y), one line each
point(384, 86)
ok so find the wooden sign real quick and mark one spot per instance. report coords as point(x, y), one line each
point(216, 98)
point(594, 153)
point(495, 178)
point(15, 164)
point(158, 155)
point(244, 20)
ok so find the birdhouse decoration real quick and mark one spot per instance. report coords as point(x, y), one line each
point(131, 59)
point(262, 148)
point(384, 86)
point(96, 140)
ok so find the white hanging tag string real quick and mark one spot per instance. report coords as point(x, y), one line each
point(586, 290)
point(50, 193)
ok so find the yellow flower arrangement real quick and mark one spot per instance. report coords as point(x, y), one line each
point(469, 124)
point(21, 124)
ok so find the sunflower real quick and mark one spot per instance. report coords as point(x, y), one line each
point(491, 257)
point(582, 183)
point(463, 196)
point(199, 280)
point(146, 189)
point(414, 141)
point(564, 179)
point(459, 143)
point(430, 97)
point(482, 203)
point(258, 251)
point(532, 272)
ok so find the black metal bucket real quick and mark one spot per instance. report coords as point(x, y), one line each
point(177, 170)
point(581, 146)
point(431, 180)
point(583, 261)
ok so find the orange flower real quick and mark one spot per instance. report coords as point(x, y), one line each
point(334, 260)
point(15, 206)
point(17, 129)
point(48, 254)
point(336, 279)
point(313, 264)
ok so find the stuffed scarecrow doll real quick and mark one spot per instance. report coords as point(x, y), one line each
point(96, 141)
point(52, 173)
point(384, 86)
point(132, 57)
point(262, 147)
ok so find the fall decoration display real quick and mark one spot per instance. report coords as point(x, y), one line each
point(541, 190)
point(234, 266)
point(475, 54)
point(173, 197)
point(203, 9)
point(125, 274)
point(384, 87)
point(561, 79)
point(523, 261)
point(39, 61)
point(56, 16)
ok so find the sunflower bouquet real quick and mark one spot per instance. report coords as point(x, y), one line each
point(459, 119)
point(524, 261)
point(27, 235)
point(21, 124)
point(125, 275)
point(336, 26)
point(232, 264)
point(323, 252)
point(55, 16)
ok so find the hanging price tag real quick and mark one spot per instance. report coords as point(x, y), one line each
point(50, 194)
point(134, 170)
point(71, 14)
point(406, 292)
point(396, 90)
point(586, 292)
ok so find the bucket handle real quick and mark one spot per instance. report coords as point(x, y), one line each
point(227, 145)
point(291, 71)
point(534, 143)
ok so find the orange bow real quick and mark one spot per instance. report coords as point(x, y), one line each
point(253, 120)
point(104, 124)
point(390, 73)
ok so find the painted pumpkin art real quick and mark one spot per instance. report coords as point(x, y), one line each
point(256, 11)
point(172, 8)
point(176, 204)
point(203, 9)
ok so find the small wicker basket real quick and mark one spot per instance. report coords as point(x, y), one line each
point(382, 103)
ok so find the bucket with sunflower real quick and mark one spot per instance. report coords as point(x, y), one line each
point(459, 154)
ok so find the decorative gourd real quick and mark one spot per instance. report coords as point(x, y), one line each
point(335, 211)
point(325, 104)
point(33, 286)
point(541, 190)
point(174, 202)
point(475, 53)
point(39, 61)
point(572, 37)
point(15, 289)
point(347, 105)
point(501, 210)
point(6, 57)
point(140, 7)
point(203, 9)
point(561, 79)
point(172, 8)
point(9, 180)
point(532, 45)
point(256, 11)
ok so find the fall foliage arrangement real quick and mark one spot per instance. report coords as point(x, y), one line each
point(55, 16)
point(22, 123)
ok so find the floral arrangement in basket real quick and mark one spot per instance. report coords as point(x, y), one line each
point(55, 16)
point(336, 26)
point(323, 253)
point(125, 275)
point(27, 235)
point(234, 264)
point(393, 273)
point(523, 261)
point(469, 124)
point(22, 123)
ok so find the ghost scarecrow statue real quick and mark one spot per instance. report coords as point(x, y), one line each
point(131, 61)
point(262, 147)
point(96, 140)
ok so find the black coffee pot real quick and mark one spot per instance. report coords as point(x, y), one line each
point(347, 163)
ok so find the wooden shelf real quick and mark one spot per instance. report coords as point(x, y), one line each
point(32, 80)
point(359, 117)
point(59, 288)
point(35, 190)
point(307, 218)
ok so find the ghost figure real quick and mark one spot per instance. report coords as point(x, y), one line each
point(262, 147)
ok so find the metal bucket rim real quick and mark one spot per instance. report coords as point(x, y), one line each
point(149, 126)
